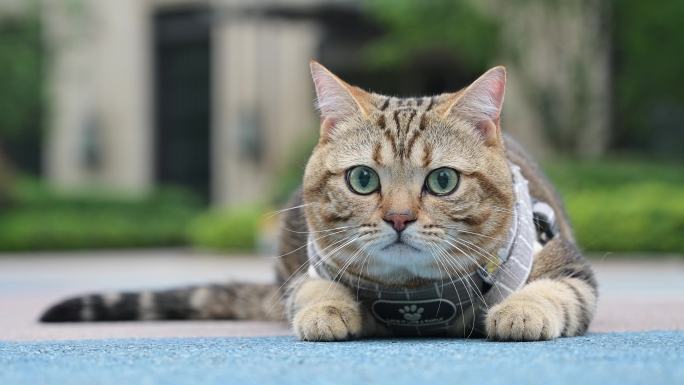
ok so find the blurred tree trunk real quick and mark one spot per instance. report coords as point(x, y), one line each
point(558, 56)
point(20, 86)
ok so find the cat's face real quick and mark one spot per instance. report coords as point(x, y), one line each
point(404, 189)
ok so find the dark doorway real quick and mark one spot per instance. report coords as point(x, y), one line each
point(182, 70)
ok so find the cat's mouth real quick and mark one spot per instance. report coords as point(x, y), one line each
point(400, 244)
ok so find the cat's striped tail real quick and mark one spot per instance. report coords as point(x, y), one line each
point(239, 301)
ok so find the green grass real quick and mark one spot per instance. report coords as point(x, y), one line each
point(623, 206)
point(42, 219)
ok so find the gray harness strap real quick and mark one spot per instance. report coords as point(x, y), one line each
point(517, 259)
point(435, 308)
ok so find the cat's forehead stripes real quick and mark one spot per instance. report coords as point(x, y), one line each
point(403, 118)
point(427, 155)
point(391, 103)
point(377, 153)
point(381, 122)
point(402, 121)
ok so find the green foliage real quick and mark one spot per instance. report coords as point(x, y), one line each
point(624, 206)
point(289, 177)
point(20, 74)
point(415, 27)
point(42, 219)
point(648, 79)
point(226, 230)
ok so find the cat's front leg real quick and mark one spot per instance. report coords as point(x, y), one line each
point(322, 310)
point(559, 299)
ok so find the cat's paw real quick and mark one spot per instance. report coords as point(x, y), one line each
point(328, 321)
point(523, 318)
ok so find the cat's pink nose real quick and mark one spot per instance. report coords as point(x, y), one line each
point(399, 220)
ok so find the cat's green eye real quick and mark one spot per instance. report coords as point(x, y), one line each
point(442, 181)
point(363, 180)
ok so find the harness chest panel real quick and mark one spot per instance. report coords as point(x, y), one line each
point(425, 311)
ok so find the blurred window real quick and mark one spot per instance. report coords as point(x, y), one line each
point(182, 98)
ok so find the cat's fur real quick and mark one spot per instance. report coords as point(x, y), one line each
point(403, 139)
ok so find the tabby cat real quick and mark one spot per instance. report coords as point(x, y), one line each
point(417, 216)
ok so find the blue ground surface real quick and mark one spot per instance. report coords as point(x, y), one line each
point(615, 358)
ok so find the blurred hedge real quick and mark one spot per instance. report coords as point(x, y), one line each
point(615, 206)
point(623, 206)
point(226, 230)
point(42, 219)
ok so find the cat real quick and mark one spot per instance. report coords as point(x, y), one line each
point(417, 216)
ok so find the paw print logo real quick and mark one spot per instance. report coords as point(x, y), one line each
point(412, 313)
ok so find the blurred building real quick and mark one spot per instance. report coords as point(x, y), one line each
point(215, 95)
point(206, 95)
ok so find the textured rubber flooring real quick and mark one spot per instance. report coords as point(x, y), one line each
point(611, 358)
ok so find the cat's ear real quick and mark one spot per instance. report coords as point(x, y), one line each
point(481, 102)
point(336, 100)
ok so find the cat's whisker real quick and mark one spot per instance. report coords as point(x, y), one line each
point(456, 260)
point(344, 267)
point(459, 269)
point(306, 244)
point(369, 259)
point(446, 270)
point(358, 254)
point(511, 211)
point(460, 230)
point(441, 276)
point(300, 267)
point(347, 263)
point(340, 245)
point(321, 231)
point(306, 264)
point(478, 293)
point(482, 253)
point(490, 257)
point(323, 259)
point(505, 270)
point(363, 263)
point(271, 214)
point(439, 269)
point(447, 260)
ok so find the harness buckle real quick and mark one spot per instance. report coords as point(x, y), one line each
point(544, 221)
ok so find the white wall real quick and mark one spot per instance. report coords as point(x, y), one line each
point(99, 74)
point(262, 66)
